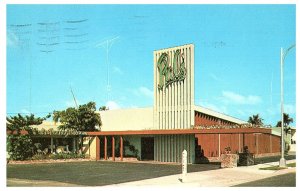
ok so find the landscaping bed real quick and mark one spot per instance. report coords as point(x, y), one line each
point(47, 161)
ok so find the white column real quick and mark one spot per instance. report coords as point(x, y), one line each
point(192, 85)
point(74, 145)
point(51, 144)
point(219, 145)
point(282, 162)
point(184, 165)
point(239, 142)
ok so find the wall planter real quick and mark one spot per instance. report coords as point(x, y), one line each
point(229, 160)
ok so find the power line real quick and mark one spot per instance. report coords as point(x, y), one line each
point(76, 21)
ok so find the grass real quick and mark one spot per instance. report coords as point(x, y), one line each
point(272, 168)
point(284, 180)
point(262, 160)
point(96, 173)
point(277, 167)
point(291, 165)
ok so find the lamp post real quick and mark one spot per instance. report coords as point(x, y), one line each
point(283, 53)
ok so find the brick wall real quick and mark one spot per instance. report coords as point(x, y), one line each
point(214, 144)
point(204, 119)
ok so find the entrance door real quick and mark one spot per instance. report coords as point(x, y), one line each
point(147, 144)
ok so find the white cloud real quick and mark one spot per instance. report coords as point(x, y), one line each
point(71, 103)
point(25, 111)
point(144, 92)
point(219, 108)
point(234, 98)
point(12, 39)
point(216, 78)
point(242, 112)
point(112, 105)
point(289, 109)
point(117, 70)
point(272, 111)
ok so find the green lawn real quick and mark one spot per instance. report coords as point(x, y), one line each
point(277, 167)
point(262, 160)
point(284, 180)
point(272, 168)
point(291, 165)
point(96, 173)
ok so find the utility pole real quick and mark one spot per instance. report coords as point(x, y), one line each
point(74, 98)
point(282, 162)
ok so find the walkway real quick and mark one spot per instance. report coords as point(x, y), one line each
point(215, 178)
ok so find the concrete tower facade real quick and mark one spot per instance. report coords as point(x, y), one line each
point(174, 101)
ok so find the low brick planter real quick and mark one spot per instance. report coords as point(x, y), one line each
point(229, 160)
point(130, 159)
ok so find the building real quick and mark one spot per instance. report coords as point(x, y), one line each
point(290, 137)
point(173, 124)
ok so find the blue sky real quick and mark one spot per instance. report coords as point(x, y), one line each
point(237, 55)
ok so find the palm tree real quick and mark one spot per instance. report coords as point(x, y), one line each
point(286, 121)
point(255, 120)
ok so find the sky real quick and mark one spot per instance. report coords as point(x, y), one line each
point(53, 48)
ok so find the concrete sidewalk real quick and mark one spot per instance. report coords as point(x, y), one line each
point(214, 178)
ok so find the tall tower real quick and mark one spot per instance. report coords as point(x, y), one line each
point(174, 101)
point(174, 87)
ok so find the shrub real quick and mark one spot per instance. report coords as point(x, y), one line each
point(287, 147)
point(245, 149)
point(81, 156)
point(39, 157)
point(134, 150)
point(66, 156)
point(19, 147)
point(227, 150)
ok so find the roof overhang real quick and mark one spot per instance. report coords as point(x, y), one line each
point(181, 131)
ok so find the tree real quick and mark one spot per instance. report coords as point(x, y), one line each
point(82, 119)
point(103, 108)
point(20, 146)
point(255, 120)
point(287, 119)
point(286, 122)
point(18, 123)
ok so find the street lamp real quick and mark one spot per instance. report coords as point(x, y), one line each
point(283, 53)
